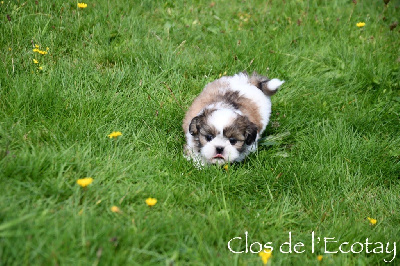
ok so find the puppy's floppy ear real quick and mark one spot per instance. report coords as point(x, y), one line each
point(198, 121)
point(194, 125)
point(248, 128)
point(250, 133)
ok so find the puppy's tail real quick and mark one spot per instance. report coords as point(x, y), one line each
point(269, 87)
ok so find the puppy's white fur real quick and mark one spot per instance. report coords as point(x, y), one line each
point(226, 120)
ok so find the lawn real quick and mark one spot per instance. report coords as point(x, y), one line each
point(326, 174)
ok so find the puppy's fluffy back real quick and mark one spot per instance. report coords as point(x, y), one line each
point(247, 96)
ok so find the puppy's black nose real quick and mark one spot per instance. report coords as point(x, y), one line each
point(219, 150)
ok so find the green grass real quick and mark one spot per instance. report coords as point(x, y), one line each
point(135, 67)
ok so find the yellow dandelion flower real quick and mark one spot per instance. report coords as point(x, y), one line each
point(47, 48)
point(220, 74)
point(36, 50)
point(9, 49)
point(42, 52)
point(360, 24)
point(40, 68)
point(265, 255)
point(226, 167)
point(115, 134)
point(84, 182)
point(151, 202)
point(116, 209)
point(372, 221)
point(35, 61)
point(319, 257)
point(36, 46)
point(82, 5)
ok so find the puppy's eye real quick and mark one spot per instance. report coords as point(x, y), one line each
point(209, 137)
point(233, 141)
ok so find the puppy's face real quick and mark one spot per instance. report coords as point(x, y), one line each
point(222, 135)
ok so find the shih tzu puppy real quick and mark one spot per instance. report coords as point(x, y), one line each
point(225, 121)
